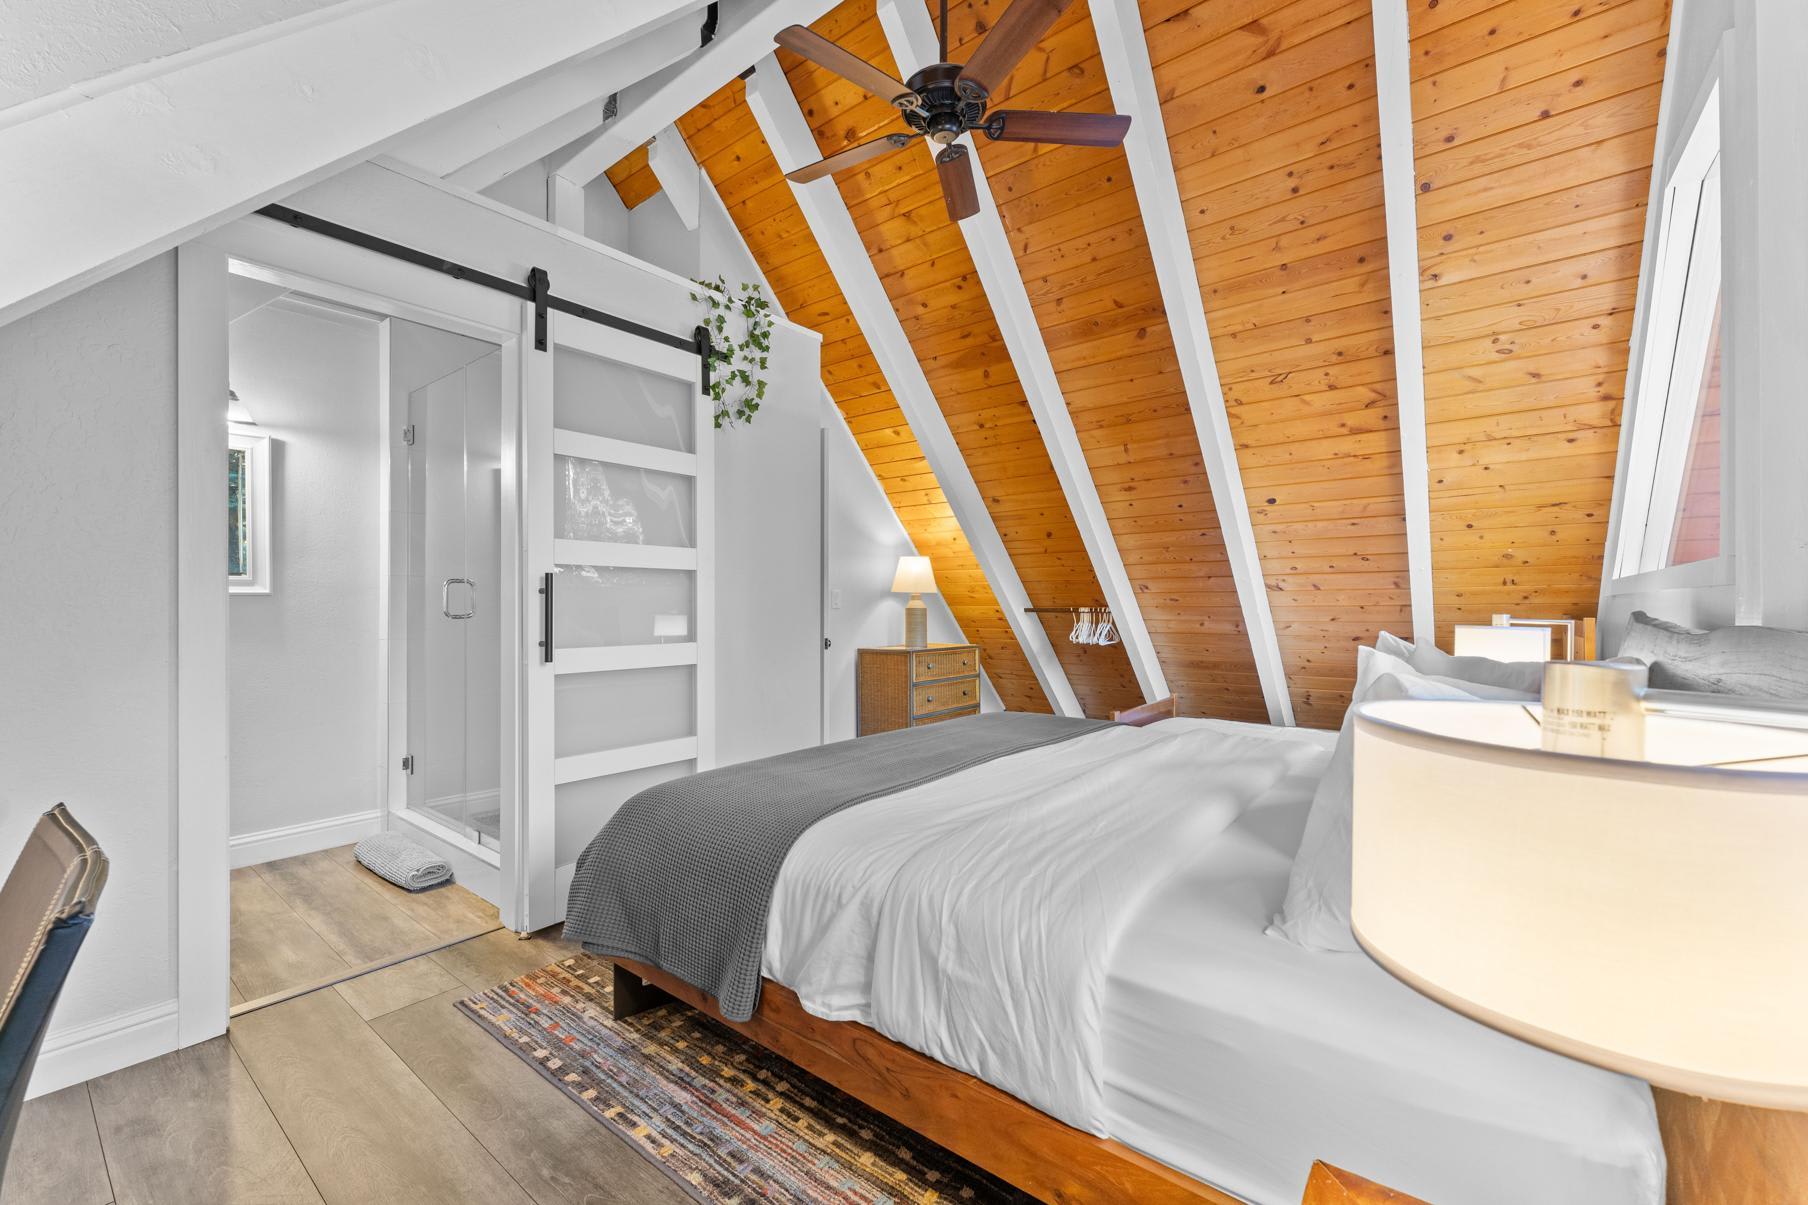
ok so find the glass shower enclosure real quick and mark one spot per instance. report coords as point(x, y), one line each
point(453, 439)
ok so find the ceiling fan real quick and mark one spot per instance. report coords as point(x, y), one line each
point(944, 100)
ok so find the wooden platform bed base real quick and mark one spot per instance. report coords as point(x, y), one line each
point(988, 1127)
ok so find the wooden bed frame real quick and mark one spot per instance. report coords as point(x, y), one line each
point(982, 1124)
point(1064, 1166)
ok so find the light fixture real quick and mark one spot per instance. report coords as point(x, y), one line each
point(914, 578)
point(1648, 916)
point(1502, 643)
point(235, 410)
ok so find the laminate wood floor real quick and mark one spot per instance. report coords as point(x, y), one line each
point(372, 1091)
point(301, 922)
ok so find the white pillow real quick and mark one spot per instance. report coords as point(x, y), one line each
point(1523, 676)
point(1316, 913)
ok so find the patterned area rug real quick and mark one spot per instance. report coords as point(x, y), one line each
point(726, 1119)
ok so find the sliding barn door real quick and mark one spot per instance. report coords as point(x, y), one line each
point(619, 541)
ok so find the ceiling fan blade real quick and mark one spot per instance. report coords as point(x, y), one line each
point(849, 157)
point(802, 40)
point(1074, 129)
point(956, 171)
point(1014, 36)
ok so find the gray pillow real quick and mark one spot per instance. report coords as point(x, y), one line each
point(1766, 663)
point(1521, 677)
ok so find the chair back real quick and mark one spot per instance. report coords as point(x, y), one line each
point(46, 908)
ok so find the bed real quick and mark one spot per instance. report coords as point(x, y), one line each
point(1108, 969)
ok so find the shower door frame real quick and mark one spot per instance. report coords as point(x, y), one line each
point(474, 863)
point(347, 275)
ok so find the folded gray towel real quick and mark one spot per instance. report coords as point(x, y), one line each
point(403, 862)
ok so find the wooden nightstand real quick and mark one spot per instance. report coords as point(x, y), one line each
point(900, 687)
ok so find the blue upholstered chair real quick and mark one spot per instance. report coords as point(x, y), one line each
point(46, 907)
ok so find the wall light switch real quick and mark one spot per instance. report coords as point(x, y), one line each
point(834, 600)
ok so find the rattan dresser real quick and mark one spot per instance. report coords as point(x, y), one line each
point(903, 688)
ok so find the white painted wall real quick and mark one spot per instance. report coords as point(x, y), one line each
point(769, 564)
point(48, 45)
point(862, 541)
point(87, 648)
point(1764, 177)
point(305, 709)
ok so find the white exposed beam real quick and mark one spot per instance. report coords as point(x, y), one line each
point(1393, 94)
point(912, 37)
point(679, 177)
point(481, 143)
point(1125, 53)
point(745, 33)
point(205, 136)
point(782, 123)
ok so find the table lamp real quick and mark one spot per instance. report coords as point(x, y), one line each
point(1648, 916)
point(915, 579)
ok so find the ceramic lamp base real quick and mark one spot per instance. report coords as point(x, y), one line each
point(916, 623)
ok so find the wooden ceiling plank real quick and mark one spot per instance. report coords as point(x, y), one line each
point(793, 143)
point(1124, 49)
point(912, 40)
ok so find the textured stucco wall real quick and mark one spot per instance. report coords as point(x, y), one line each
point(87, 612)
point(49, 45)
point(306, 724)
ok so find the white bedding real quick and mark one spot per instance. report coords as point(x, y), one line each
point(923, 913)
point(1165, 1016)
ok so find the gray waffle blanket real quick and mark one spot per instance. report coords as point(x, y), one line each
point(403, 862)
point(681, 877)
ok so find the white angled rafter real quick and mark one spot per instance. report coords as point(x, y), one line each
point(793, 144)
point(204, 136)
point(912, 37)
point(480, 144)
point(744, 33)
point(1125, 53)
point(1393, 95)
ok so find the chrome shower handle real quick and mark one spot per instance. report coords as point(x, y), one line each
point(445, 598)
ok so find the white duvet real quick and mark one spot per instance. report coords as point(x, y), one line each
point(923, 913)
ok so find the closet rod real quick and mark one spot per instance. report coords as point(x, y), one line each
point(537, 288)
point(1064, 610)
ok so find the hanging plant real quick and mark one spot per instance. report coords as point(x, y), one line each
point(740, 326)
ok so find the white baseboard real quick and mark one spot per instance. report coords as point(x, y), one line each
point(79, 1054)
point(248, 849)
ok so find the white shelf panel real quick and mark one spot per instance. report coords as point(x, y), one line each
point(616, 761)
point(626, 556)
point(620, 451)
point(601, 658)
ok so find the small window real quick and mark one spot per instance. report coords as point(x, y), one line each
point(1675, 484)
point(248, 550)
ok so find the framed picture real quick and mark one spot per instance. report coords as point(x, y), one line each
point(249, 555)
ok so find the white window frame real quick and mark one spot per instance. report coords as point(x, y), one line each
point(1669, 362)
point(256, 447)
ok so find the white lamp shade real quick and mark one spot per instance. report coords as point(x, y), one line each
point(671, 625)
point(1502, 643)
point(913, 576)
point(1646, 916)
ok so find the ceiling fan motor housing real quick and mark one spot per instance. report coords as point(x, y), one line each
point(943, 114)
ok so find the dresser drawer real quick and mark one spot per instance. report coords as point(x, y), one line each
point(940, 696)
point(945, 715)
point(941, 663)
